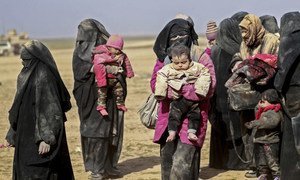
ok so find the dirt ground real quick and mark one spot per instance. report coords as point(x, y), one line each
point(140, 156)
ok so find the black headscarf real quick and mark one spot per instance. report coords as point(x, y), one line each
point(228, 36)
point(90, 34)
point(239, 16)
point(269, 23)
point(176, 27)
point(289, 46)
point(37, 53)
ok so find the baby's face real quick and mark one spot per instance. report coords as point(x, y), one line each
point(264, 103)
point(181, 63)
point(114, 51)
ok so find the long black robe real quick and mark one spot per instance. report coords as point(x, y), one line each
point(38, 114)
point(287, 82)
point(101, 137)
point(222, 152)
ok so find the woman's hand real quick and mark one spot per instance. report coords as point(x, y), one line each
point(44, 148)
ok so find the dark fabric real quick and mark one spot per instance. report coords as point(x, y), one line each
point(179, 161)
point(267, 159)
point(288, 83)
point(182, 107)
point(92, 33)
point(176, 27)
point(38, 114)
point(222, 153)
point(269, 23)
point(229, 37)
point(99, 156)
point(41, 57)
point(239, 16)
point(288, 48)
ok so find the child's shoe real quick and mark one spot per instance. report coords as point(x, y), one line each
point(122, 108)
point(102, 110)
point(263, 177)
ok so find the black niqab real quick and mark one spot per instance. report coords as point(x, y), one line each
point(176, 27)
point(229, 37)
point(39, 54)
point(288, 48)
point(269, 23)
point(239, 16)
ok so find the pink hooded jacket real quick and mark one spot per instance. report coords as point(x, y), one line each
point(188, 91)
point(101, 57)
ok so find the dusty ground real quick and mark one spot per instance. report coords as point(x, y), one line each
point(140, 157)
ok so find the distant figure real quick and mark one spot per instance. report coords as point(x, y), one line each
point(109, 64)
point(239, 16)
point(179, 72)
point(37, 118)
point(270, 24)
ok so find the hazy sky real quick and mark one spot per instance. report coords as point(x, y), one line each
point(59, 18)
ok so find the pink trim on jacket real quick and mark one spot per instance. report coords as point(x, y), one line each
point(207, 62)
point(163, 114)
point(101, 57)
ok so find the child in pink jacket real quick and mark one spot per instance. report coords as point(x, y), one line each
point(110, 62)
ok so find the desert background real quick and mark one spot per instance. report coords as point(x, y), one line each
point(140, 156)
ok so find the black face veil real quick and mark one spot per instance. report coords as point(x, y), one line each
point(177, 31)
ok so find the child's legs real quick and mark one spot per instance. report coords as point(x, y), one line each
point(194, 117)
point(260, 159)
point(119, 93)
point(178, 108)
point(272, 157)
point(102, 96)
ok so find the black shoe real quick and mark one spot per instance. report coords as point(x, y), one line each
point(114, 172)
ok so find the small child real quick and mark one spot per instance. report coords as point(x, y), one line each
point(110, 63)
point(266, 127)
point(170, 80)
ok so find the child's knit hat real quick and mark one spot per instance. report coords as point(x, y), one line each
point(115, 41)
point(211, 30)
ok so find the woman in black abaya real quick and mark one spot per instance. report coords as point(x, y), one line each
point(37, 118)
point(223, 139)
point(287, 82)
point(101, 137)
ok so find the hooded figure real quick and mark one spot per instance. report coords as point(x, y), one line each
point(239, 16)
point(287, 82)
point(269, 23)
point(37, 118)
point(222, 153)
point(256, 40)
point(101, 137)
point(177, 31)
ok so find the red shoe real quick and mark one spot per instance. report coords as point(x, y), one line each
point(122, 108)
point(102, 110)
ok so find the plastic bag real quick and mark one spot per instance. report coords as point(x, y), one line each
point(148, 112)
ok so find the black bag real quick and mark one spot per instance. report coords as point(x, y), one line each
point(242, 97)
